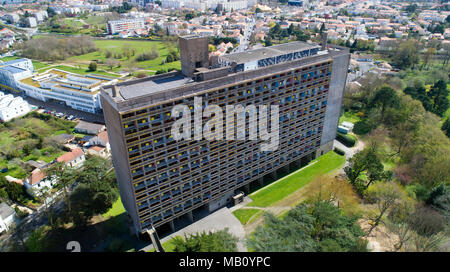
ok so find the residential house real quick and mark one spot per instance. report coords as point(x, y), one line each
point(99, 145)
point(38, 181)
point(74, 158)
point(7, 217)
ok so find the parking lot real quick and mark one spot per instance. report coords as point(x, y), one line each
point(67, 111)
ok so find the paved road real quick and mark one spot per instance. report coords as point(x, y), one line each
point(245, 39)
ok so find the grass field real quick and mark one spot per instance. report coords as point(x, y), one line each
point(349, 116)
point(244, 215)
point(117, 46)
point(291, 183)
point(79, 64)
point(116, 209)
point(82, 71)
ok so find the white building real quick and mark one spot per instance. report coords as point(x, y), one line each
point(37, 182)
point(80, 92)
point(12, 18)
point(31, 22)
point(114, 27)
point(41, 15)
point(7, 217)
point(13, 71)
point(12, 107)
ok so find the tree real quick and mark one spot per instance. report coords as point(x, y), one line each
point(385, 195)
point(15, 191)
point(385, 97)
point(110, 63)
point(398, 222)
point(439, 98)
point(219, 241)
point(65, 177)
point(407, 55)
point(51, 12)
point(365, 161)
point(427, 56)
point(82, 209)
point(36, 242)
point(446, 127)
point(93, 66)
point(319, 226)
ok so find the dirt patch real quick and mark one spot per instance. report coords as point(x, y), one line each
point(380, 239)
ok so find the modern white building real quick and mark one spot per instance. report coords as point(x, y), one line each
point(12, 107)
point(114, 27)
point(7, 217)
point(80, 92)
point(13, 71)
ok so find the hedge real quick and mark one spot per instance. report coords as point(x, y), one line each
point(345, 139)
point(339, 151)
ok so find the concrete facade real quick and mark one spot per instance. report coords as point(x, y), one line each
point(193, 54)
point(161, 179)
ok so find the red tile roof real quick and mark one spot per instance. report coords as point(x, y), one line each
point(103, 136)
point(70, 156)
point(36, 176)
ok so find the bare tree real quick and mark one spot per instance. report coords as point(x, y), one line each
point(386, 195)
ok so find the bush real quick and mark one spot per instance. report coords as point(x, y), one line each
point(345, 139)
point(339, 151)
point(361, 128)
point(141, 75)
point(93, 66)
point(147, 55)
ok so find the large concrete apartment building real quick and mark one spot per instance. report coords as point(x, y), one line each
point(161, 179)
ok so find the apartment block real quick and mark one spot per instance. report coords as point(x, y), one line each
point(161, 179)
point(114, 27)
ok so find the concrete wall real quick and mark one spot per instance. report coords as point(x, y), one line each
point(120, 159)
point(193, 50)
point(324, 149)
point(335, 95)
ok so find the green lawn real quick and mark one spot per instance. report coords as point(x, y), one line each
point(168, 246)
point(349, 116)
point(116, 209)
point(5, 59)
point(289, 184)
point(117, 46)
point(83, 71)
point(245, 214)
